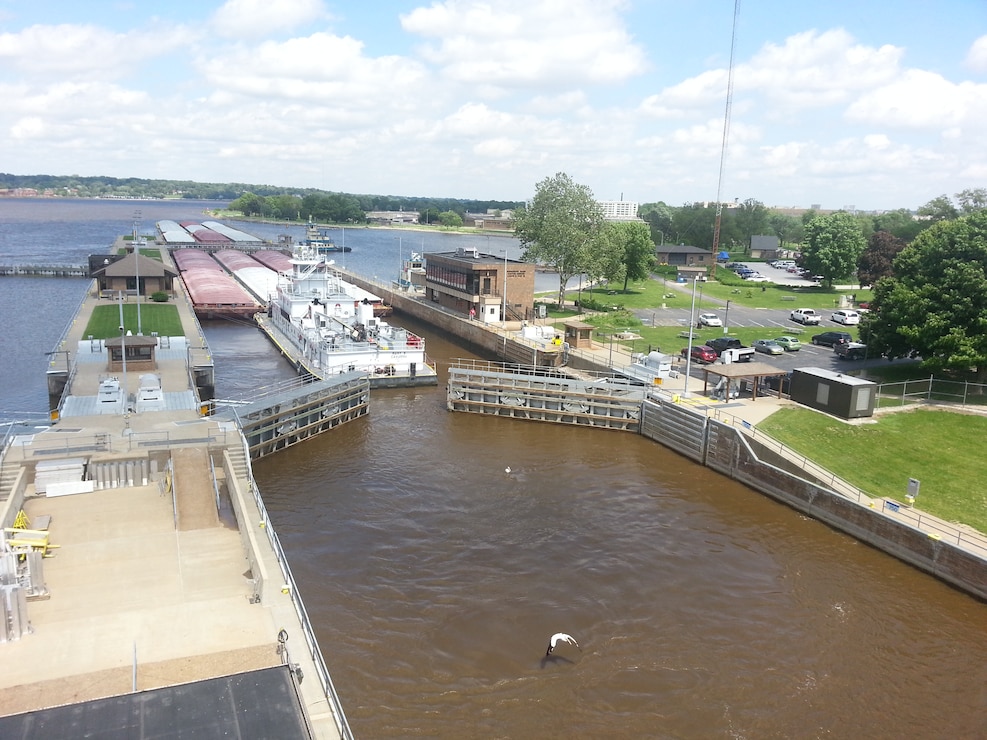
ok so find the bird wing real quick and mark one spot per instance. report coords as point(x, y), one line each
point(563, 636)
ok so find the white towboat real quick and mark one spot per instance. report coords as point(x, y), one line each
point(331, 327)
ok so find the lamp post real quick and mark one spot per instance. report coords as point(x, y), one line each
point(137, 276)
point(504, 291)
point(123, 354)
point(688, 356)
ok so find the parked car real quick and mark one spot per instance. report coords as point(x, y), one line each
point(701, 353)
point(851, 351)
point(772, 382)
point(709, 319)
point(738, 352)
point(847, 318)
point(758, 278)
point(787, 343)
point(831, 338)
point(768, 347)
point(804, 316)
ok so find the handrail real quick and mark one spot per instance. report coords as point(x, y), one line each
point(914, 517)
point(328, 689)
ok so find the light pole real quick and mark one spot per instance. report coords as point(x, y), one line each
point(662, 237)
point(123, 354)
point(137, 276)
point(504, 290)
point(688, 356)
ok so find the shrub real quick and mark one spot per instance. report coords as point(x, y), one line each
point(159, 296)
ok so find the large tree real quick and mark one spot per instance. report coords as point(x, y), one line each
point(900, 223)
point(559, 226)
point(751, 218)
point(626, 252)
point(939, 209)
point(876, 260)
point(787, 228)
point(935, 305)
point(832, 246)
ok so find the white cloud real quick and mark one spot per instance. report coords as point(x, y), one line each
point(816, 69)
point(252, 19)
point(921, 100)
point(80, 51)
point(517, 43)
point(321, 73)
point(976, 58)
point(809, 70)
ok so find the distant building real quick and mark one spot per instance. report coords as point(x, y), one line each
point(619, 210)
point(765, 247)
point(684, 256)
point(468, 280)
point(385, 218)
point(492, 220)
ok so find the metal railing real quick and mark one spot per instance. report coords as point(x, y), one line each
point(944, 531)
point(306, 624)
point(931, 389)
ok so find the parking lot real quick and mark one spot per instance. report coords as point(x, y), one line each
point(775, 322)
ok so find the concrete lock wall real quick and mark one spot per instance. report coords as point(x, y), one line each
point(732, 453)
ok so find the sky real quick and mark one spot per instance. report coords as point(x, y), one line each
point(870, 104)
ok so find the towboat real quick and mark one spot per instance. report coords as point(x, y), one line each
point(332, 328)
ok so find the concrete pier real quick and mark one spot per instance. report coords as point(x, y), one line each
point(162, 567)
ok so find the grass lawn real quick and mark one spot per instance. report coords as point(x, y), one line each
point(155, 317)
point(936, 447)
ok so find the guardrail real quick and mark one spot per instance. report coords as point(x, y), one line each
point(941, 530)
point(306, 624)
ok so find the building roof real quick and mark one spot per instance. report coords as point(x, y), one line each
point(682, 249)
point(135, 264)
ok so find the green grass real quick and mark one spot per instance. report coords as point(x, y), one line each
point(935, 447)
point(155, 317)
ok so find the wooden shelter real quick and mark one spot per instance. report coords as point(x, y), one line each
point(124, 274)
point(579, 334)
point(138, 350)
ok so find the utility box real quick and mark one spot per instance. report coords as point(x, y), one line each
point(845, 396)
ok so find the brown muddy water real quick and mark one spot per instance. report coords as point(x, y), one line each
point(434, 579)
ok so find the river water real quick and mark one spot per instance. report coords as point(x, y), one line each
point(434, 578)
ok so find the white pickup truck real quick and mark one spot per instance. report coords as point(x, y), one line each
point(805, 316)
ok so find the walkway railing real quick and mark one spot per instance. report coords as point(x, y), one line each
point(937, 528)
point(306, 624)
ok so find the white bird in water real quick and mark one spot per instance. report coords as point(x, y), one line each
point(560, 637)
point(508, 470)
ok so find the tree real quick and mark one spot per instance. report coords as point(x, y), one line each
point(626, 252)
point(248, 204)
point(875, 261)
point(939, 209)
point(900, 223)
point(659, 217)
point(787, 228)
point(832, 246)
point(972, 199)
point(559, 226)
point(450, 218)
point(935, 305)
point(751, 218)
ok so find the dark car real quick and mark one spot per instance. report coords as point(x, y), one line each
point(700, 353)
point(774, 382)
point(831, 338)
point(851, 351)
point(721, 343)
